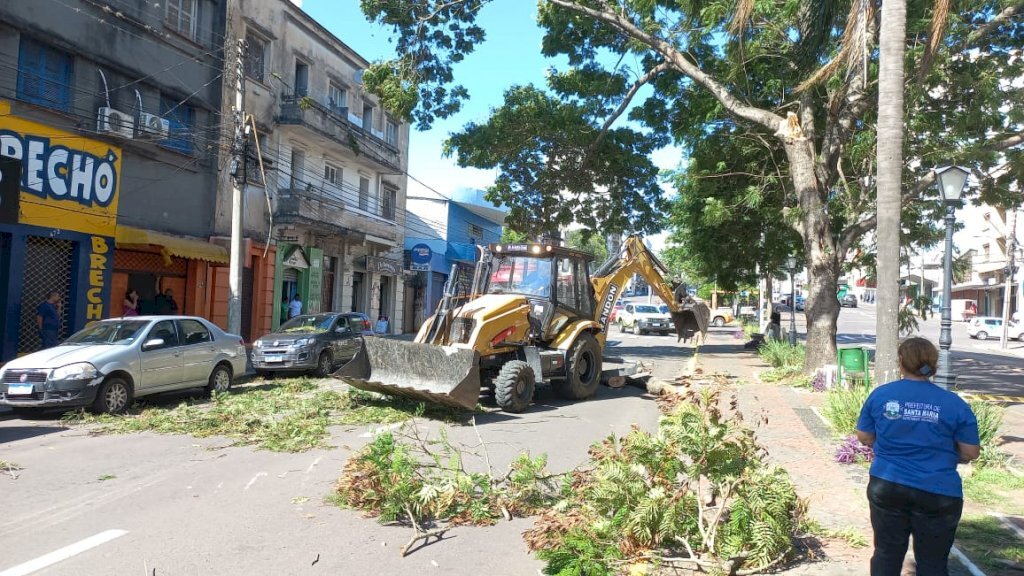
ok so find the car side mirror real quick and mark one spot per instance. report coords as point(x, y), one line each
point(152, 343)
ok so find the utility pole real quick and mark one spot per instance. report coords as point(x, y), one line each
point(237, 185)
point(1011, 247)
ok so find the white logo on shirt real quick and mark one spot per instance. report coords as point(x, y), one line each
point(892, 410)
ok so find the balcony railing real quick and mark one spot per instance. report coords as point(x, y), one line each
point(334, 123)
point(334, 208)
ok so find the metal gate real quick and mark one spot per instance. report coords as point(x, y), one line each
point(327, 285)
point(247, 281)
point(48, 263)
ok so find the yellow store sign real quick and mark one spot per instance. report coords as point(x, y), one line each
point(67, 181)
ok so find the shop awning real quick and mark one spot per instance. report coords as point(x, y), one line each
point(192, 248)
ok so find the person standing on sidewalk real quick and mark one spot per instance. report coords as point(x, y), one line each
point(48, 320)
point(919, 433)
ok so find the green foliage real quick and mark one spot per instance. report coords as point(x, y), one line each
point(842, 408)
point(781, 354)
point(989, 543)
point(588, 241)
point(289, 415)
point(992, 486)
point(990, 420)
point(418, 480)
point(919, 307)
point(648, 497)
point(510, 236)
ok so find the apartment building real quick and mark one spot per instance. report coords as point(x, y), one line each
point(327, 188)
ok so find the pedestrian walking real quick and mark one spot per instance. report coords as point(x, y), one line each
point(775, 324)
point(295, 306)
point(131, 303)
point(48, 320)
point(165, 303)
point(919, 432)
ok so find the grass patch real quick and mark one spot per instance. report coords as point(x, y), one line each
point(992, 486)
point(853, 537)
point(291, 415)
point(106, 477)
point(987, 541)
point(778, 353)
point(792, 375)
point(842, 408)
point(9, 468)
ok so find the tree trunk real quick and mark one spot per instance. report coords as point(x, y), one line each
point(821, 307)
point(890, 172)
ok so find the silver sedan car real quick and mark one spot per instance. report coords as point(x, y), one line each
point(110, 362)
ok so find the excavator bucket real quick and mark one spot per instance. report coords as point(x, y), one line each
point(426, 372)
point(691, 320)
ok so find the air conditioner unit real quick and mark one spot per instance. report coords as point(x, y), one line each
point(111, 121)
point(153, 124)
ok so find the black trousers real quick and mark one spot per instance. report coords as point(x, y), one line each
point(897, 511)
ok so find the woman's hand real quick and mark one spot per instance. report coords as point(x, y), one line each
point(968, 452)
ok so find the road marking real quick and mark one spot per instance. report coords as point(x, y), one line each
point(372, 432)
point(254, 479)
point(313, 465)
point(994, 397)
point(966, 562)
point(64, 553)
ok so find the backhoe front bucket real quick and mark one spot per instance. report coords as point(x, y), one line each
point(691, 321)
point(440, 374)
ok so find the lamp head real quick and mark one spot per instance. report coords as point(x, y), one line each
point(791, 262)
point(952, 181)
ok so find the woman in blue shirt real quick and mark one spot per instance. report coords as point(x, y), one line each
point(919, 433)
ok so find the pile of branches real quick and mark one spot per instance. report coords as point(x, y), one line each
point(693, 496)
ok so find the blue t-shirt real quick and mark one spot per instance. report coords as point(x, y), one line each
point(916, 426)
point(50, 316)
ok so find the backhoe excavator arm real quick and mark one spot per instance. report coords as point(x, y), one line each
point(635, 258)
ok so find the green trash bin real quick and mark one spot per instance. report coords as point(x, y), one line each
point(853, 363)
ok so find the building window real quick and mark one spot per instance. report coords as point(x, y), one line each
point(44, 75)
point(337, 99)
point(255, 56)
point(388, 200)
point(391, 133)
point(181, 16)
point(367, 117)
point(364, 193)
point(301, 78)
point(476, 234)
point(332, 174)
point(181, 117)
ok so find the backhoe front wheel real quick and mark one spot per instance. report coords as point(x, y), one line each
point(514, 385)
point(583, 370)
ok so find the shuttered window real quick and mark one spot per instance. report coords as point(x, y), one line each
point(44, 75)
point(182, 125)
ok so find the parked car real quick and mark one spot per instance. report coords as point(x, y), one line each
point(314, 343)
point(644, 318)
point(721, 316)
point(985, 327)
point(749, 312)
point(847, 301)
point(615, 312)
point(800, 300)
point(110, 362)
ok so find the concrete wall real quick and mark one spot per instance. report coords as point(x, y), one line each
point(161, 189)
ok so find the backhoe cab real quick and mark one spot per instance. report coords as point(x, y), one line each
point(531, 313)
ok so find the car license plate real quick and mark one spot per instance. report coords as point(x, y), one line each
point(275, 358)
point(19, 388)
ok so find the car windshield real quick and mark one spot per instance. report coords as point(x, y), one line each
point(646, 310)
point(111, 332)
point(310, 323)
point(663, 309)
point(520, 275)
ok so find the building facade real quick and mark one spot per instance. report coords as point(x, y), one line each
point(327, 185)
point(442, 232)
point(110, 122)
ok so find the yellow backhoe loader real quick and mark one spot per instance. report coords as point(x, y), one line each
point(531, 313)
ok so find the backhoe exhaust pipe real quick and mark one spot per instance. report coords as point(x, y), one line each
point(424, 372)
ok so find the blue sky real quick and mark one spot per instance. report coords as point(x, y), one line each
point(510, 55)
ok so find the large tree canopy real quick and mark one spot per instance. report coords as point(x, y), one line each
point(773, 100)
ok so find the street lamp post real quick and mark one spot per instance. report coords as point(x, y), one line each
point(952, 181)
point(791, 263)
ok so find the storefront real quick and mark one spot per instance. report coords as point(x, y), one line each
point(58, 216)
point(385, 276)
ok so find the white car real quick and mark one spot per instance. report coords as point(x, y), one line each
point(644, 318)
point(985, 327)
point(110, 362)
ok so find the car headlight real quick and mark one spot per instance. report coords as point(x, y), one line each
point(303, 342)
point(258, 344)
point(77, 371)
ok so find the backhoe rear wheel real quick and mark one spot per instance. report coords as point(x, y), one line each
point(513, 387)
point(583, 370)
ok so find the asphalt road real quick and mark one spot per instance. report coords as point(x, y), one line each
point(88, 504)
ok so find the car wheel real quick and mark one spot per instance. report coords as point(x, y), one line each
point(981, 335)
point(718, 322)
point(622, 327)
point(514, 385)
point(636, 328)
point(324, 364)
point(583, 370)
point(114, 396)
point(220, 380)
